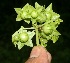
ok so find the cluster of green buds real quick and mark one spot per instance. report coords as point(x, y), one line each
point(44, 22)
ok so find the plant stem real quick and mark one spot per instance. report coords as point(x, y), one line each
point(37, 38)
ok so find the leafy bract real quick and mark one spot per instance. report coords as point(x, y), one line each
point(49, 8)
point(17, 41)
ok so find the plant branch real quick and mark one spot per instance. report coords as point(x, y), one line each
point(37, 36)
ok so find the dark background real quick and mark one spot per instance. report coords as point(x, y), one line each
point(60, 51)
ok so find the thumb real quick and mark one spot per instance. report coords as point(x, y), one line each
point(39, 55)
point(49, 57)
point(35, 52)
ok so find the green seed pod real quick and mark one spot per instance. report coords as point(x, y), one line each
point(24, 37)
point(41, 18)
point(34, 14)
point(47, 29)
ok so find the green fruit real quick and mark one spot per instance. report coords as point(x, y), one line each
point(47, 29)
point(34, 14)
point(41, 18)
point(24, 37)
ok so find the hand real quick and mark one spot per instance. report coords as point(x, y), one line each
point(39, 55)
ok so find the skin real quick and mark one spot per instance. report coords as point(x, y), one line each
point(39, 55)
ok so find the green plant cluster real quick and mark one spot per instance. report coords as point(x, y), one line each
point(22, 37)
point(44, 21)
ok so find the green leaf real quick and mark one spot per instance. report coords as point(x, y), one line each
point(29, 43)
point(56, 33)
point(31, 34)
point(20, 45)
point(33, 20)
point(43, 42)
point(18, 10)
point(27, 21)
point(39, 8)
point(48, 14)
point(48, 11)
point(28, 8)
point(37, 5)
point(57, 21)
point(49, 8)
point(18, 18)
point(54, 38)
point(25, 8)
point(55, 16)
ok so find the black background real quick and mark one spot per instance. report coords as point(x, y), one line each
point(60, 51)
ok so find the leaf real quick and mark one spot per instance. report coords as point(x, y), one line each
point(55, 16)
point(56, 33)
point(49, 8)
point(54, 38)
point(18, 18)
point(25, 8)
point(27, 21)
point(20, 45)
point(31, 34)
point(18, 10)
point(33, 21)
point(48, 15)
point(43, 42)
point(28, 8)
point(29, 43)
point(39, 8)
point(37, 5)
